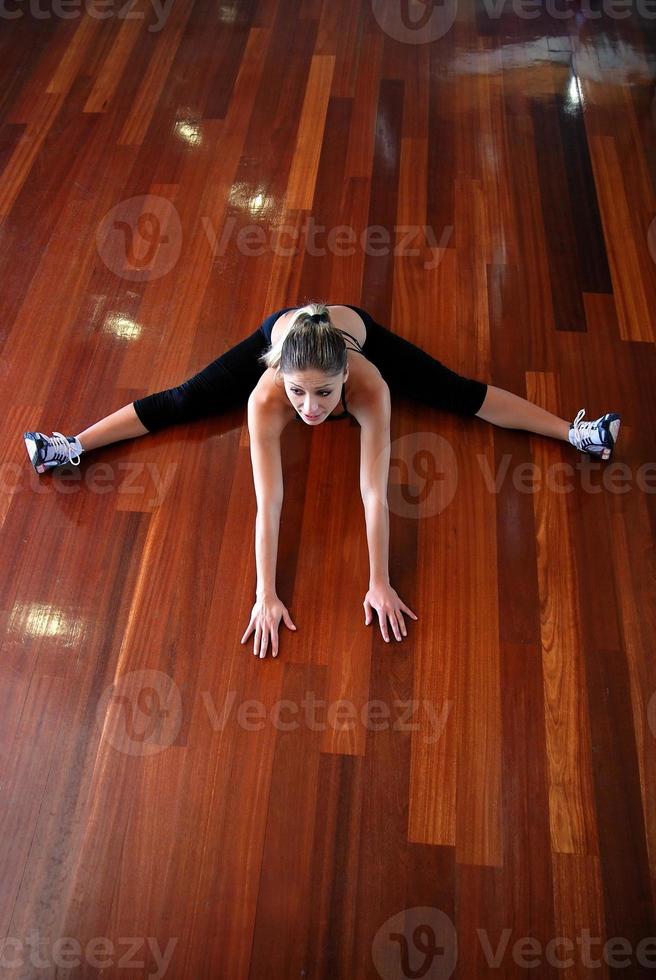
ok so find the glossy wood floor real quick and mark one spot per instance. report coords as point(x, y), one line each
point(172, 806)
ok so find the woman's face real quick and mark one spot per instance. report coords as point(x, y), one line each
point(313, 394)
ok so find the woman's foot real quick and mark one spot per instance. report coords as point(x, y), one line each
point(46, 452)
point(596, 438)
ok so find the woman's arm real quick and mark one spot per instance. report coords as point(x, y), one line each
point(267, 526)
point(374, 418)
point(376, 516)
point(267, 478)
point(264, 430)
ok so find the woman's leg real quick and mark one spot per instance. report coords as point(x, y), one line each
point(122, 424)
point(412, 372)
point(223, 384)
point(509, 411)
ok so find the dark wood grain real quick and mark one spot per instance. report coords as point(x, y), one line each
point(151, 782)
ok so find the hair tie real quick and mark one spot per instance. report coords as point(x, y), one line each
point(316, 317)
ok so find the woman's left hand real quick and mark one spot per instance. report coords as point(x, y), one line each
point(387, 603)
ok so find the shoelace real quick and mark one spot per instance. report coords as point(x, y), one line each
point(585, 434)
point(62, 451)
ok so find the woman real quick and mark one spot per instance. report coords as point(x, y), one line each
point(299, 364)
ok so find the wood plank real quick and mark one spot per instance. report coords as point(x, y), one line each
point(303, 175)
point(568, 734)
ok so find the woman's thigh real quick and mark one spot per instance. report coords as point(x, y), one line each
point(413, 373)
point(223, 384)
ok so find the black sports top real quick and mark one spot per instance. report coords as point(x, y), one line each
point(357, 348)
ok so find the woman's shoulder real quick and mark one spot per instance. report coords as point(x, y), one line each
point(270, 406)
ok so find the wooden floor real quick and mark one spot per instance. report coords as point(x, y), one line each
point(172, 806)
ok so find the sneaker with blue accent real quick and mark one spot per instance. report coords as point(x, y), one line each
point(46, 452)
point(596, 438)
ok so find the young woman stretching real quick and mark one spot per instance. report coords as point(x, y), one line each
point(298, 365)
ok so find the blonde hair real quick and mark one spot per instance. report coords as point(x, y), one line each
point(311, 343)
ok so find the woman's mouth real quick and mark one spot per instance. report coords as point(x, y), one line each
point(311, 418)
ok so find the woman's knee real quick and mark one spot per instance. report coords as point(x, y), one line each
point(171, 406)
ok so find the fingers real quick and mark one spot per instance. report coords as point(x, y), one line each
point(409, 611)
point(396, 621)
point(261, 649)
point(288, 620)
point(395, 626)
point(262, 636)
point(266, 629)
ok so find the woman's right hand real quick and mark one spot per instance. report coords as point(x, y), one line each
point(265, 617)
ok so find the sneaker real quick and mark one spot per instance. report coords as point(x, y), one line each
point(46, 452)
point(596, 438)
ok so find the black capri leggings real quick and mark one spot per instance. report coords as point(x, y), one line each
point(228, 381)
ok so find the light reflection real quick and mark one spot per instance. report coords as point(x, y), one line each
point(122, 326)
point(253, 201)
point(42, 619)
point(621, 60)
point(573, 98)
point(228, 13)
point(188, 131)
